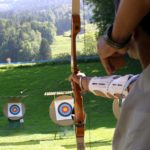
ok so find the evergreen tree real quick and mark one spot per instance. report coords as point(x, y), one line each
point(45, 51)
point(103, 13)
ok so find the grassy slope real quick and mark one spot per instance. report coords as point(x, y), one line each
point(38, 131)
point(62, 45)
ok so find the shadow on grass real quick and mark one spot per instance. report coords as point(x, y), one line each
point(30, 142)
point(33, 142)
point(90, 144)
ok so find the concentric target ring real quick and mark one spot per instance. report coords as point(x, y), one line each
point(65, 109)
point(14, 109)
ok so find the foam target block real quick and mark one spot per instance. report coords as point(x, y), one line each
point(14, 110)
point(61, 109)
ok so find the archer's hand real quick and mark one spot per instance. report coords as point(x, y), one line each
point(105, 52)
point(81, 80)
point(74, 78)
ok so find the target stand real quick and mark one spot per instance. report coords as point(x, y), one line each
point(14, 110)
point(60, 112)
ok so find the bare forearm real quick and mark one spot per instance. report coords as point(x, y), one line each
point(129, 14)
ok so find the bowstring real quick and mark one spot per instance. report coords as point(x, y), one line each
point(84, 27)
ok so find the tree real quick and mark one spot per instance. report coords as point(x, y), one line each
point(103, 13)
point(89, 40)
point(46, 29)
point(45, 51)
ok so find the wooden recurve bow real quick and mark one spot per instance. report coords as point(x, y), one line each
point(79, 115)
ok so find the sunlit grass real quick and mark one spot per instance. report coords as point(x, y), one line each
point(62, 45)
point(38, 131)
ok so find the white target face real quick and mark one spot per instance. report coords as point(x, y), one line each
point(64, 109)
point(15, 110)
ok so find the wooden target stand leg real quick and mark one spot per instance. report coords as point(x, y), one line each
point(62, 131)
point(63, 120)
point(57, 129)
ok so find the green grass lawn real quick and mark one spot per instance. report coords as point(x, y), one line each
point(38, 131)
point(62, 45)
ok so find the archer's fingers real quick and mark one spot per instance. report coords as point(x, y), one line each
point(108, 67)
point(74, 78)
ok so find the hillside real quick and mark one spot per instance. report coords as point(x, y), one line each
point(15, 5)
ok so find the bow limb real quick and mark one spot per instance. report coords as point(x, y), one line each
point(79, 117)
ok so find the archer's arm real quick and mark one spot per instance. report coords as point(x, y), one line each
point(112, 87)
point(129, 14)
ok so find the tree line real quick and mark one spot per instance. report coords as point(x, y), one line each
point(26, 36)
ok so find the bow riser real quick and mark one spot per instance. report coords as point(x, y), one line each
point(79, 117)
point(75, 31)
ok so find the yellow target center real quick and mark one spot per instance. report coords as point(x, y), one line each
point(14, 110)
point(65, 109)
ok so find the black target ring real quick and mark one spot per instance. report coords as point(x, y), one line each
point(14, 109)
point(65, 109)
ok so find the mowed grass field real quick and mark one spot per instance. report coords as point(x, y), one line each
point(38, 131)
point(62, 45)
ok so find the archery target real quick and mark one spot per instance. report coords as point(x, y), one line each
point(14, 110)
point(61, 110)
point(64, 109)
